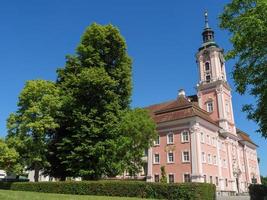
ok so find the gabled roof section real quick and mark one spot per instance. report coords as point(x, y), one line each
point(244, 137)
point(183, 107)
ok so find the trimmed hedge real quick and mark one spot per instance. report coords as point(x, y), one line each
point(182, 191)
point(258, 192)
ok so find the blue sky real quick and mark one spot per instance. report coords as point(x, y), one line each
point(162, 39)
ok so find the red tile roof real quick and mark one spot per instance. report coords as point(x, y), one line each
point(183, 107)
point(244, 136)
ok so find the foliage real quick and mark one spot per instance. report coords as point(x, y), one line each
point(18, 195)
point(163, 178)
point(247, 22)
point(264, 180)
point(30, 127)
point(9, 159)
point(182, 191)
point(257, 192)
point(96, 83)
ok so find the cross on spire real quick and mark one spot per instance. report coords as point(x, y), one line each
point(206, 20)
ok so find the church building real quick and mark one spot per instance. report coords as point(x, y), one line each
point(198, 140)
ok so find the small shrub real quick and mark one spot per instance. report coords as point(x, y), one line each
point(258, 192)
point(176, 191)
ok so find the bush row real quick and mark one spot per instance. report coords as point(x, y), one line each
point(182, 191)
point(258, 192)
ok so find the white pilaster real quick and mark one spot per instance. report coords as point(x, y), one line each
point(149, 165)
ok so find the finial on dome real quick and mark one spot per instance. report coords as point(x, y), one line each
point(206, 19)
point(181, 93)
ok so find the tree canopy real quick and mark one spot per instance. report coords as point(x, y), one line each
point(31, 126)
point(9, 159)
point(97, 85)
point(246, 20)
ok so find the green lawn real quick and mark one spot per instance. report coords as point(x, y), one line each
point(18, 195)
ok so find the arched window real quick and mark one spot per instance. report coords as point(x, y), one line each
point(207, 66)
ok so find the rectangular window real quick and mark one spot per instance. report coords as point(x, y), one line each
point(210, 106)
point(170, 138)
point(211, 179)
point(187, 178)
point(203, 157)
point(202, 137)
point(156, 158)
point(186, 157)
point(209, 158)
point(171, 178)
point(226, 182)
point(170, 157)
point(213, 141)
point(205, 179)
point(217, 181)
point(215, 160)
point(185, 136)
point(224, 163)
point(156, 177)
point(208, 139)
point(156, 142)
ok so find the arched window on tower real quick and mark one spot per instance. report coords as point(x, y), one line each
point(207, 72)
point(207, 66)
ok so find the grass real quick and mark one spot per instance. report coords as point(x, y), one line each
point(19, 195)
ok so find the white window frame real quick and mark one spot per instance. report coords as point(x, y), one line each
point(213, 141)
point(156, 162)
point(207, 70)
point(168, 157)
point(209, 159)
point(224, 163)
point(211, 179)
point(183, 140)
point(215, 162)
point(155, 179)
point(210, 106)
point(203, 157)
point(217, 181)
point(205, 178)
point(208, 139)
point(184, 177)
point(171, 174)
point(168, 138)
point(183, 156)
point(202, 137)
point(157, 141)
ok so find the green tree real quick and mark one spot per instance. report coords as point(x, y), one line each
point(9, 159)
point(30, 128)
point(264, 180)
point(96, 83)
point(246, 20)
point(163, 178)
point(137, 133)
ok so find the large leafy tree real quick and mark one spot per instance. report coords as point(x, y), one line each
point(97, 87)
point(246, 20)
point(31, 126)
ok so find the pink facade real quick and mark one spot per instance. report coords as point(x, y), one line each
point(198, 139)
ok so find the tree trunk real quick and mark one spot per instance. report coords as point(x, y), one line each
point(36, 173)
point(63, 178)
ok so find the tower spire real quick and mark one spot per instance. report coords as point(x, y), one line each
point(208, 33)
point(206, 20)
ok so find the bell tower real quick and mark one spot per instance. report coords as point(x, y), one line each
point(214, 93)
